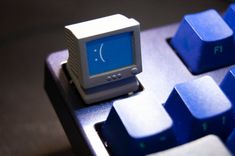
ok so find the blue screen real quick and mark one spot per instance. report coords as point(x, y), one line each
point(109, 53)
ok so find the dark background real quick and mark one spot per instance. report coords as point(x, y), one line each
point(30, 30)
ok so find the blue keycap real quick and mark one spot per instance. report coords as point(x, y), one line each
point(138, 126)
point(204, 42)
point(231, 142)
point(198, 108)
point(228, 85)
point(198, 147)
point(229, 16)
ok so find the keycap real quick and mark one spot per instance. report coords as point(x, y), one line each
point(136, 127)
point(204, 42)
point(205, 146)
point(228, 85)
point(229, 16)
point(198, 108)
point(231, 142)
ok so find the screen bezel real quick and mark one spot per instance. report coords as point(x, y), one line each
point(88, 81)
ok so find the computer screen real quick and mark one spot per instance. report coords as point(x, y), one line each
point(104, 50)
point(110, 53)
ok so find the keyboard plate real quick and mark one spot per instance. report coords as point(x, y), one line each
point(162, 69)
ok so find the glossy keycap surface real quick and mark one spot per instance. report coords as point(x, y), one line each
point(228, 85)
point(204, 42)
point(134, 127)
point(229, 16)
point(199, 107)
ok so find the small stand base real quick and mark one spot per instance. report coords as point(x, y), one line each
point(108, 91)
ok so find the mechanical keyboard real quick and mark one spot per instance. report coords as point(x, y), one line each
point(185, 102)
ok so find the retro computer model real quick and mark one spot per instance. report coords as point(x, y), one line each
point(104, 57)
